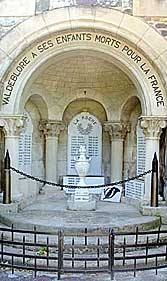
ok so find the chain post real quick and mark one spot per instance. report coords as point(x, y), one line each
point(60, 252)
point(111, 253)
point(154, 182)
point(7, 176)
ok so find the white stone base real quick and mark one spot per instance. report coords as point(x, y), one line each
point(81, 200)
point(9, 208)
point(81, 205)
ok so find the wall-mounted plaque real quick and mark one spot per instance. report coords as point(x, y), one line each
point(85, 129)
point(25, 146)
point(134, 189)
point(141, 151)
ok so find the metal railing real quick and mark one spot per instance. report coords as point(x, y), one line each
point(83, 252)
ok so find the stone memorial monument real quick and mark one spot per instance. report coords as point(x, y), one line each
point(82, 199)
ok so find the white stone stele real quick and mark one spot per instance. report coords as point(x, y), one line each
point(82, 199)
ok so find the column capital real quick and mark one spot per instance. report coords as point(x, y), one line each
point(152, 126)
point(51, 128)
point(13, 124)
point(117, 130)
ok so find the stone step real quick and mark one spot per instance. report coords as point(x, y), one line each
point(54, 224)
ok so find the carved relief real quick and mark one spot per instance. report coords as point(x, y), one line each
point(51, 128)
point(152, 126)
point(117, 130)
point(13, 125)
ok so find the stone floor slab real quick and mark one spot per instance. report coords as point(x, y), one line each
point(49, 212)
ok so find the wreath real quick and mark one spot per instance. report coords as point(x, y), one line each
point(85, 131)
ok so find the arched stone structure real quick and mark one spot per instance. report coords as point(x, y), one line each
point(130, 113)
point(117, 38)
point(96, 109)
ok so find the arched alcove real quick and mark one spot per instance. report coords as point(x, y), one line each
point(85, 106)
point(130, 113)
point(38, 102)
point(130, 105)
point(35, 109)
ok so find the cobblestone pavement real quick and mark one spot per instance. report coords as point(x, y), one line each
point(141, 276)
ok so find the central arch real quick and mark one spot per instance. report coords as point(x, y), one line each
point(119, 27)
point(151, 105)
point(65, 55)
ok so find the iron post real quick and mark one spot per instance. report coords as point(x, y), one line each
point(154, 182)
point(7, 179)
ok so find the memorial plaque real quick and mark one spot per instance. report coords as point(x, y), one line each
point(134, 189)
point(141, 151)
point(88, 180)
point(25, 147)
point(85, 129)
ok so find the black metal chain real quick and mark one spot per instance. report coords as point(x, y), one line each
point(77, 186)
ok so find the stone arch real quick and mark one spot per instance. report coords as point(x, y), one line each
point(123, 40)
point(128, 107)
point(37, 110)
point(133, 73)
point(133, 29)
point(37, 96)
point(38, 102)
point(111, 22)
point(59, 108)
point(95, 108)
point(131, 111)
point(79, 105)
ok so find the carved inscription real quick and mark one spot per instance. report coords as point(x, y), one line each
point(60, 40)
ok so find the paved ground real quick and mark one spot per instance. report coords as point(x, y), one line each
point(141, 276)
point(49, 213)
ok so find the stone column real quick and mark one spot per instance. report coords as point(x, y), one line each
point(13, 126)
point(152, 128)
point(117, 131)
point(51, 130)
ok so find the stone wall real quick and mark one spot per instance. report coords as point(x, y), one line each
point(15, 11)
point(153, 8)
point(154, 12)
point(7, 23)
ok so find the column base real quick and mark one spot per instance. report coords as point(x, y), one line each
point(9, 208)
